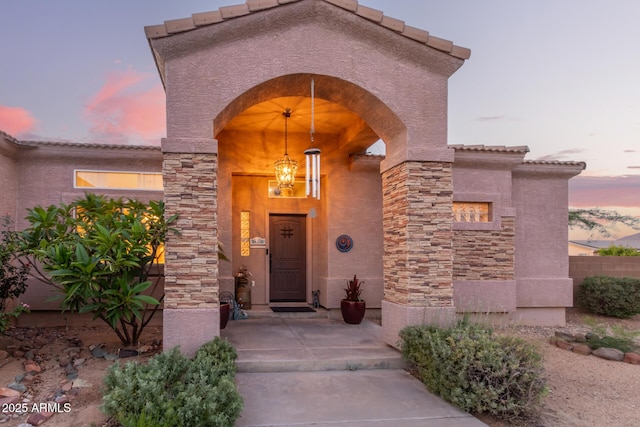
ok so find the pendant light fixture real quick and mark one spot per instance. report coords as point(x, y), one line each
point(286, 167)
point(312, 156)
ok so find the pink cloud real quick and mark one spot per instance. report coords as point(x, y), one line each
point(16, 120)
point(601, 191)
point(126, 108)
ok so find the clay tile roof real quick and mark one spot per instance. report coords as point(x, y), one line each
point(491, 148)
point(226, 13)
point(555, 162)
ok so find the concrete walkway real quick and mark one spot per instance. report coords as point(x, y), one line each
point(323, 372)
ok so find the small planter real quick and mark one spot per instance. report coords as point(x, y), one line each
point(224, 314)
point(352, 311)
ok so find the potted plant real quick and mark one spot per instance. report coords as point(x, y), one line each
point(352, 306)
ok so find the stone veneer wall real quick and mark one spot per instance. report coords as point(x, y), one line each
point(485, 255)
point(418, 254)
point(191, 262)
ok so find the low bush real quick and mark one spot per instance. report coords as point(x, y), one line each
point(476, 370)
point(610, 296)
point(173, 390)
point(625, 345)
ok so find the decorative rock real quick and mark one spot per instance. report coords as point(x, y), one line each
point(609, 353)
point(36, 419)
point(565, 336)
point(73, 350)
point(29, 355)
point(145, 349)
point(580, 337)
point(18, 354)
point(67, 385)
point(633, 358)
point(111, 356)
point(62, 399)
point(80, 383)
point(32, 367)
point(17, 387)
point(78, 362)
point(64, 361)
point(9, 396)
point(583, 349)
point(98, 352)
point(28, 379)
point(3, 354)
point(560, 343)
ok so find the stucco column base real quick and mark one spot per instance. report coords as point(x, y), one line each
point(395, 317)
point(189, 328)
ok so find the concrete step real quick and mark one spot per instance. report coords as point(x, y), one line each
point(309, 345)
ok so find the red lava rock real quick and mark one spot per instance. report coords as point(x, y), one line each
point(32, 367)
point(36, 419)
point(9, 396)
point(583, 349)
point(560, 343)
point(3, 354)
point(632, 358)
point(18, 354)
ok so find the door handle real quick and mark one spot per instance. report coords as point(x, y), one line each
point(270, 262)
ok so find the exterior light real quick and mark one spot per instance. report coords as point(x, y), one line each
point(286, 167)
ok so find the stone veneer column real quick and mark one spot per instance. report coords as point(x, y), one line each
point(191, 307)
point(418, 254)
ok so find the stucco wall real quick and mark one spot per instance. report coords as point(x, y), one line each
point(350, 204)
point(308, 37)
point(45, 177)
point(8, 177)
point(540, 196)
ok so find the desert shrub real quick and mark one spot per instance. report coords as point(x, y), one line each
point(476, 370)
point(610, 296)
point(614, 250)
point(625, 345)
point(173, 390)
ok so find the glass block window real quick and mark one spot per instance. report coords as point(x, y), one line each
point(118, 180)
point(471, 211)
point(245, 240)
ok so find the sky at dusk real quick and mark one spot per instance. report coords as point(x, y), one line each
point(560, 76)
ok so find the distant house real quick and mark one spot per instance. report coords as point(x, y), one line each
point(590, 247)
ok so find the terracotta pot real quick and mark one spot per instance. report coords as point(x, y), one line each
point(352, 311)
point(224, 314)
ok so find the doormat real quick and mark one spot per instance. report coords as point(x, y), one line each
point(292, 310)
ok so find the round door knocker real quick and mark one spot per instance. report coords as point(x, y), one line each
point(344, 243)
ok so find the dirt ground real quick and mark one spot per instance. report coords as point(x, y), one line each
point(583, 390)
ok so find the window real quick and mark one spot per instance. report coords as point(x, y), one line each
point(150, 181)
point(471, 211)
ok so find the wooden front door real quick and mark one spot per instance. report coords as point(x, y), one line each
point(287, 258)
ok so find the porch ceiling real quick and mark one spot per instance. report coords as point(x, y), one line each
point(330, 118)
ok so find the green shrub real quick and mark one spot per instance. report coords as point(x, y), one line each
point(614, 250)
point(476, 370)
point(625, 345)
point(610, 296)
point(172, 390)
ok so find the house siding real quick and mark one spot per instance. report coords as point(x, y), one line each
point(485, 254)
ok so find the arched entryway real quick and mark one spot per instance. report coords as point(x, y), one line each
point(375, 82)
